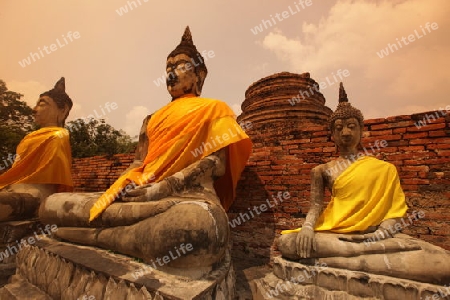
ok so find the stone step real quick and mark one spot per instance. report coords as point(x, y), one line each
point(74, 271)
point(6, 271)
point(20, 289)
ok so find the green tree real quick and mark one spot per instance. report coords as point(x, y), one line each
point(96, 137)
point(16, 120)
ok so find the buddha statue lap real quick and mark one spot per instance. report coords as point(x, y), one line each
point(173, 198)
point(360, 228)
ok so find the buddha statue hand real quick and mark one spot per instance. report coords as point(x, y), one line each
point(384, 231)
point(149, 192)
point(305, 241)
point(196, 177)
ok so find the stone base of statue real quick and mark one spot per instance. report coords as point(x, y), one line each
point(51, 269)
point(11, 234)
point(293, 280)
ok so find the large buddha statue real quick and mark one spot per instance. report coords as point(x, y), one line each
point(173, 198)
point(360, 227)
point(43, 159)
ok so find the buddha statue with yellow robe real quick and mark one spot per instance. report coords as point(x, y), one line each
point(360, 228)
point(43, 159)
point(175, 194)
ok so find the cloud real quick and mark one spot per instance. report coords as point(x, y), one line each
point(134, 118)
point(350, 37)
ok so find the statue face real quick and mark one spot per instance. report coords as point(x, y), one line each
point(47, 113)
point(347, 133)
point(181, 76)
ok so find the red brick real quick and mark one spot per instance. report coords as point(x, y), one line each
point(399, 130)
point(427, 127)
point(437, 133)
point(421, 141)
point(443, 153)
point(398, 118)
point(400, 124)
point(383, 137)
point(379, 126)
point(437, 146)
point(320, 133)
point(431, 161)
point(319, 139)
point(414, 181)
point(380, 132)
point(329, 149)
point(410, 187)
point(411, 148)
point(417, 135)
point(415, 168)
point(374, 121)
point(412, 155)
point(388, 149)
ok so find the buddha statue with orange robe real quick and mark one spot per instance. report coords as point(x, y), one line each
point(360, 228)
point(176, 193)
point(43, 159)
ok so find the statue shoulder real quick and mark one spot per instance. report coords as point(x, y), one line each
point(320, 169)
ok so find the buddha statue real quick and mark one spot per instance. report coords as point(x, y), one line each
point(176, 192)
point(43, 159)
point(360, 228)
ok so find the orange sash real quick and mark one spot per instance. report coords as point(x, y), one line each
point(181, 133)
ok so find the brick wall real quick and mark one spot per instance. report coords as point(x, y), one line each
point(282, 158)
point(93, 174)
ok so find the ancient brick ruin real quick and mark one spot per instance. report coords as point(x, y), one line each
point(289, 140)
point(286, 118)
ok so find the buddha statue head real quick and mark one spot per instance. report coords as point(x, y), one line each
point(53, 106)
point(185, 68)
point(346, 124)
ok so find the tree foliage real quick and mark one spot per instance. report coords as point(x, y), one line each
point(96, 137)
point(87, 138)
point(16, 120)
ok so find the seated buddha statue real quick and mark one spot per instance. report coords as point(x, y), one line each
point(175, 194)
point(43, 159)
point(360, 227)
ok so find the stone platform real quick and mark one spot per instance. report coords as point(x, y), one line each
point(51, 269)
point(11, 232)
point(292, 280)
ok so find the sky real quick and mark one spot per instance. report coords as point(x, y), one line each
point(394, 54)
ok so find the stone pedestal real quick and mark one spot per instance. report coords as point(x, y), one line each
point(10, 235)
point(56, 270)
point(292, 280)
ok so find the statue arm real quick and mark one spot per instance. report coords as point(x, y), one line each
point(317, 196)
point(142, 147)
point(305, 240)
point(199, 176)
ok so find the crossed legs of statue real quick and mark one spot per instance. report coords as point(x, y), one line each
point(401, 256)
point(189, 226)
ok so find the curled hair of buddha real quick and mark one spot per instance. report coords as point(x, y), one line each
point(345, 110)
point(58, 94)
point(186, 46)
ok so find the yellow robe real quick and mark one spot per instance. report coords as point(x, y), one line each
point(181, 133)
point(43, 157)
point(365, 194)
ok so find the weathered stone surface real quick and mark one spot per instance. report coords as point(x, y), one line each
point(18, 206)
point(11, 233)
point(20, 289)
point(82, 270)
point(284, 96)
point(72, 210)
point(400, 257)
point(333, 283)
